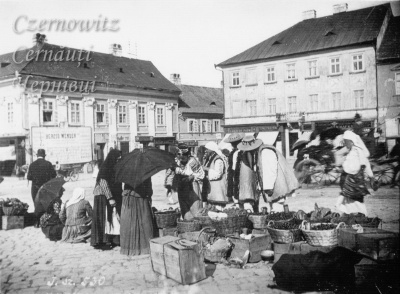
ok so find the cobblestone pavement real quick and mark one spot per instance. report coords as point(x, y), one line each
point(30, 263)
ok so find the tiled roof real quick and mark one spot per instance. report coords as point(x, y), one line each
point(197, 99)
point(390, 46)
point(8, 66)
point(334, 31)
point(101, 68)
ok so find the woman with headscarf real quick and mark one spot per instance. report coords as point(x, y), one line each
point(107, 194)
point(215, 166)
point(353, 184)
point(136, 219)
point(190, 182)
point(50, 221)
point(76, 214)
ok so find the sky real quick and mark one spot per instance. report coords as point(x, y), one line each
point(187, 37)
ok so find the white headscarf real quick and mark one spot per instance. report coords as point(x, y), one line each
point(356, 139)
point(77, 195)
point(214, 147)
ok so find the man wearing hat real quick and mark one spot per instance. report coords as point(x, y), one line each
point(40, 172)
point(265, 169)
point(233, 171)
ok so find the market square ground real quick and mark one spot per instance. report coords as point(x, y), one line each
point(30, 263)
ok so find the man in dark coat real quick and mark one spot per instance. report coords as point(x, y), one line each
point(40, 172)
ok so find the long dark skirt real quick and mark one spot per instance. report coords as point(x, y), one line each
point(136, 225)
point(53, 232)
point(98, 235)
point(189, 196)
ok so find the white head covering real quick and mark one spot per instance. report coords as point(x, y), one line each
point(77, 195)
point(349, 135)
point(214, 147)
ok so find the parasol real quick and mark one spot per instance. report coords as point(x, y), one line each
point(137, 166)
point(47, 193)
point(299, 143)
point(330, 133)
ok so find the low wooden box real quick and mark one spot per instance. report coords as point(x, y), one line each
point(157, 248)
point(260, 232)
point(348, 237)
point(255, 245)
point(184, 264)
point(194, 236)
point(10, 222)
point(379, 246)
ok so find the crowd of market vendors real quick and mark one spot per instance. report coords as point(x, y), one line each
point(122, 213)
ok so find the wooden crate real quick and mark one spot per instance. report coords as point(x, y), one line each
point(157, 247)
point(10, 222)
point(194, 236)
point(348, 237)
point(184, 264)
point(379, 246)
point(260, 232)
point(255, 245)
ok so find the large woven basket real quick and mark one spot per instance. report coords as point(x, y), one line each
point(284, 236)
point(243, 221)
point(184, 226)
point(203, 220)
point(166, 219)
point(259, 221)
point(226, 226)
point(8, 210)
point(320, 238)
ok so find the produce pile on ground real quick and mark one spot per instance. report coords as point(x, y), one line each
point(358, 218)
point(289, 225)
point(234, 211)
point(279, 216)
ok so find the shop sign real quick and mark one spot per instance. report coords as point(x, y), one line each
point(144, 138)
point(123, 137)
point(101, 138)
point(191, 143)
point(65, 145)
point(250, 129)
point(164, 141)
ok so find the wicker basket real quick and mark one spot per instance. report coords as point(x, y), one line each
point(226, 226)
point(8, 210)
point(203, 220)
point(259, 221)
point(284, 236)
point(166, 219)
point(321, 238)
point(210, 255)
point(188, 226)
point(242, 221)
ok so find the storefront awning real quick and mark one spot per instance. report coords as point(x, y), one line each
point(268, 138)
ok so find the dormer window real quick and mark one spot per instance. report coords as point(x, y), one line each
point(276, 43)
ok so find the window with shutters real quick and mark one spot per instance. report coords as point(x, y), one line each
point(203, 125)
point(122, 114)
point(217, 125)
point(193, 126)
point(142, 115)
point(101, 113)
point(160, 116)
point(271, 105)
point(10, 111)
point(75, 112)
point(358, 98)
point(313, 102)
point(336, 101)
point(48, 111)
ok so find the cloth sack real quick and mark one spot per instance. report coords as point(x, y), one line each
point(114, 227)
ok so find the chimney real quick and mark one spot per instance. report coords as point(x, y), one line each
point(340, 8)
point(116, 49)
point(175, 78)
point(309, 14)
point(39, 39)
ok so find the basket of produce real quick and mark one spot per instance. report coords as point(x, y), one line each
point(241, 214)
point(184, 226)
point(13, 206)
point(259, 219)
point(216, 248)
point(225, 226)
point(320, 234)
point(280, 216)
point(166, 218)
point(285, 232)
point(202, 217)
point(357, 219)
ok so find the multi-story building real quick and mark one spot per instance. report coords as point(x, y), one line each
point(200, 114)
point(318, 72)
point(78, 104)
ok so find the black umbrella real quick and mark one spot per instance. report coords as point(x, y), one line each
point(330, 133)
point(137, 166)
point(47, 193)
point(299, 143)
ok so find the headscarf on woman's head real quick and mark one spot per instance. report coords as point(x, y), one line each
point(357, 141)
point(107, 169)
point(77, 195)
point(214, 147)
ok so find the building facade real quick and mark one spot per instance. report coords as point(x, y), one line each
point(200, 114)
point(78, 110)
point(321, 71)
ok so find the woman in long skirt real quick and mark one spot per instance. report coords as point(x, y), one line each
point(107, 194)
point(136, 219)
